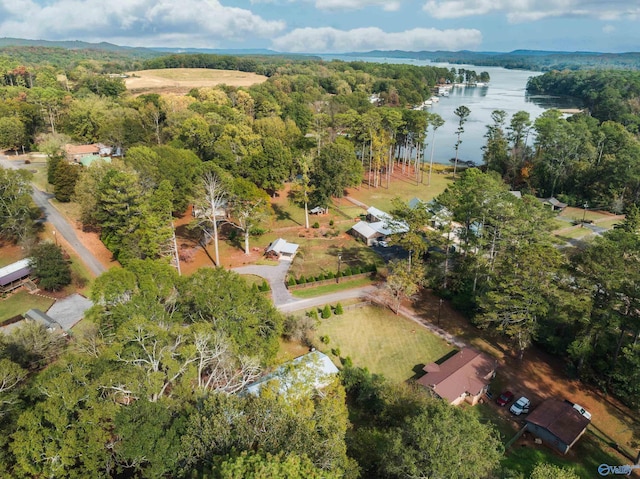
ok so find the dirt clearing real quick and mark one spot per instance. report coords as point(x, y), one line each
point(181, 80)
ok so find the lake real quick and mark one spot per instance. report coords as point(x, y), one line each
point(506, 91)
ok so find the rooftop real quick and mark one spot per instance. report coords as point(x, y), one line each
point(559, 418)
point(464, 372)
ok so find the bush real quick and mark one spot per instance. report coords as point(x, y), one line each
point(298, 329)
point(324, 339)
point(311, 279)
point(315, 225)
point(336, 352)
point(320, 277)
point(301, 280)
point(291, 281)
point(347, 362)
point(356, 270)
point(347, 272)
point(330, 275)
point(264, 286)
point(331, 223)
point(339, 309)
point(313, 314)
point(326, 312)
point(254, 288)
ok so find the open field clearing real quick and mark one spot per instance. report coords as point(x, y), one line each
point(384, 343)
point(181, 80)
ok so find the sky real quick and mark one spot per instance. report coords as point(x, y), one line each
point(333, 26)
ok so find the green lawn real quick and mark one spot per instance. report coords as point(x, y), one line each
point(345, 283)
point(384, 343)
point(320, 255)
point(403, 187)
point(22, 302)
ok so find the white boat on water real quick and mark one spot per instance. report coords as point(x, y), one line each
point(434, 99)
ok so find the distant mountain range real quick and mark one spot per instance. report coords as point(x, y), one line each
point(517, 59)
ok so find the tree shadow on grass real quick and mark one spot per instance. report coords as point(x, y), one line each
point(283, 215)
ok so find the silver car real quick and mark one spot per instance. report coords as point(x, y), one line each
point(521, 406)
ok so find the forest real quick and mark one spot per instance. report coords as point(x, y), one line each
point(150, 389)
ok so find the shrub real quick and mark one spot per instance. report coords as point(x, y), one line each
point(264, 286)
point(298, 329)
point(330, 275)
point(339, 310)
point(331, 223)
point(326, 312)
point(313, 314)
point(254, 288)
point(347, 362)
point(315, 225)
point(311, 279)
point(291, 281)
point(336, 352)
point(320, 277)
point(356, 270)
point(347, 272)
point(324, 339)
point(301, 280)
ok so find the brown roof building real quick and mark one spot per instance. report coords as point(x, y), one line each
point(464, 376)
point(557, 423)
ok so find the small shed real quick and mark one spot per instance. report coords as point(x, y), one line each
point(281, 249)
point(465, 376)
point(14, 275)
point(42, 318)
point(557, 423)
point(553, 203)
point(318, 210)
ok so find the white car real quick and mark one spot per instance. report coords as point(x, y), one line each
point(521, 406)
point(383, 243)
point(582, 411)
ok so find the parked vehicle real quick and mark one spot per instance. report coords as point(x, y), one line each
point(383, 243)
point(504, 398)
point(582, 411)
point(521, 406)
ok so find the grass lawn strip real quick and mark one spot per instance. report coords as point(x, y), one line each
point(344, 283)
point(384, 343)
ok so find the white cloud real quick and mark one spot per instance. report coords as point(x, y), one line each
point(388, 5)
point(337, 5)
point(531, 10)
point(141, 20)
point(327, 39)
point(608, 29)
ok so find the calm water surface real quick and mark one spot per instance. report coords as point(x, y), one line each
point(506, 91)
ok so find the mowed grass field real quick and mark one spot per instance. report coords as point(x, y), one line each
point(384, 343)
point(181, 80)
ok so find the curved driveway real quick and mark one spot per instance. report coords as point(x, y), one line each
point(59, 222)
point(285, 301)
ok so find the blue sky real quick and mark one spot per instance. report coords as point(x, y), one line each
point(317, 26)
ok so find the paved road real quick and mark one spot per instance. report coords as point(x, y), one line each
point(58, 221)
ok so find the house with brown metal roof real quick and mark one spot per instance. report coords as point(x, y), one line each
point(557, 423)
point(465, 376)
